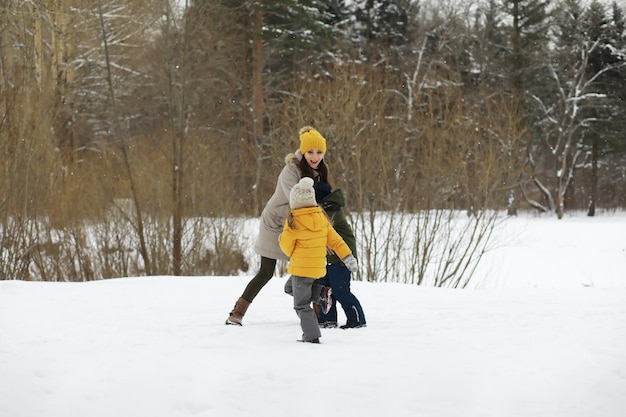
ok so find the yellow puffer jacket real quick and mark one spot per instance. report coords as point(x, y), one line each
point(306, 242)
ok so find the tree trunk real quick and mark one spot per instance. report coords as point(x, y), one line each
point(61, 76)
point(257, 91)
point(38, 47)
point(511, 208)
point(516, 82)
point(178, 140)
point(591, 210)
point(560, 191)
point(123, 135)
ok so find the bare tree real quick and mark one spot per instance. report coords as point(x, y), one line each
point(563, 124)
point(122, 135)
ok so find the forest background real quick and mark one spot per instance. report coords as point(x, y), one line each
point(137, 138)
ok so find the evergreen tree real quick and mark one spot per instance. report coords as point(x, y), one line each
point(383, 27)
point(605, 139)
point(492, 46)
point(572, 109)
point(529, 34)
point(513, 37)
point(300, 32)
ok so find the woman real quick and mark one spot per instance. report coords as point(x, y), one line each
point(307, 161)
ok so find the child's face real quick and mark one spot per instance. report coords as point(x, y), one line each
point(314, 157)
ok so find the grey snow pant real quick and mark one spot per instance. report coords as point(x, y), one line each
point(305, 291)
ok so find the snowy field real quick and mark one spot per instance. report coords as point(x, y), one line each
point(543, 333)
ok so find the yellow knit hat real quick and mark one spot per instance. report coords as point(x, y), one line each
point(311, 139)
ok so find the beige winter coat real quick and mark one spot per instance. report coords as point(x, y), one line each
point(276, 210)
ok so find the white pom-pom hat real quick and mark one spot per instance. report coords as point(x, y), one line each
point(302, 194)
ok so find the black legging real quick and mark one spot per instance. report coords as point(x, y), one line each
point(260, 279)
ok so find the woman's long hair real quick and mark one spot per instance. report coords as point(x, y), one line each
point(307, 171)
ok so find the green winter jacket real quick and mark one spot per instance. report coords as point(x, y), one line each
point(333, 205)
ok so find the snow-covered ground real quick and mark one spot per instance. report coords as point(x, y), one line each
point(543, 335)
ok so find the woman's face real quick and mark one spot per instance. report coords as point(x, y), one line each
point(314, 157)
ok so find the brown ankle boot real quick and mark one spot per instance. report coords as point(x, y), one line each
point(235, 317)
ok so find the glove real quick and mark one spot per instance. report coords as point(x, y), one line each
point(350, 263)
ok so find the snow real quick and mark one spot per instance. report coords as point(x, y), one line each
point(543, 334)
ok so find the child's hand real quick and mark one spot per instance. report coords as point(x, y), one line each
point(350, 263)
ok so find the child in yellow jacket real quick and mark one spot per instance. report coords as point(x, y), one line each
point(306, 235)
